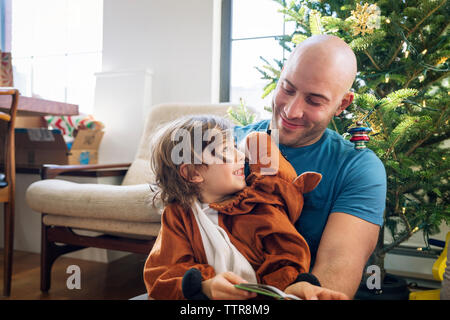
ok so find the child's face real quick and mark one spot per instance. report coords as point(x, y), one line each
point(223, 178)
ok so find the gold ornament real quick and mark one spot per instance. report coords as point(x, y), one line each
point(376, 129)
point(441, 60)
point(372, 124)
point(366, 19)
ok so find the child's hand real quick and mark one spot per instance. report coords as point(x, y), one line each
point(307, 291)
point(221, 287)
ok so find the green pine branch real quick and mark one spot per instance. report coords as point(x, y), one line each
point(402, 89)
point(240, 115)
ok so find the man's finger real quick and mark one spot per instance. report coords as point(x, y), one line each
point(310, 294)
point(342, 296)
point(332, 295)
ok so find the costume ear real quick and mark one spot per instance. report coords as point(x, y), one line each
point(307, 181)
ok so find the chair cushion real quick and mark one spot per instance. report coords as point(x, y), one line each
point(139, 173)
point(139, 230)
point(97, 201)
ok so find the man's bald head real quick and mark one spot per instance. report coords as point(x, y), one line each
point(328, 52)
point(313, 88)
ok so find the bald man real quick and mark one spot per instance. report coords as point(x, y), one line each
point(342, 217)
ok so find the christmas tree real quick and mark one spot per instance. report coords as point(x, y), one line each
point(401, 94)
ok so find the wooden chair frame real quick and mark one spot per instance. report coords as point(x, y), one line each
point(67, 239)
point(7, 194)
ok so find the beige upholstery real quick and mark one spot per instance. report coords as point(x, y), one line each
point(139, 171)
point(113, 209)
point(122, 203)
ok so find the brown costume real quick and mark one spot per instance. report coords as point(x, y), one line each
point(258, 220)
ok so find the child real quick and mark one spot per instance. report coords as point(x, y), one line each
point(219, 228)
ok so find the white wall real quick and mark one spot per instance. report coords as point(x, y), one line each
point(171, 40)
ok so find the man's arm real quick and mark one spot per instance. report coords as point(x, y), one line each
point(346, 245)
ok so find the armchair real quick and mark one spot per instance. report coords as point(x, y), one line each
point(123, 214)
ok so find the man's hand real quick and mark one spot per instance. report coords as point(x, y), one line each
point(221, 287)
point(307, 291)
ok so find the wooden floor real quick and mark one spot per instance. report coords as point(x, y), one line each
point(120, 279)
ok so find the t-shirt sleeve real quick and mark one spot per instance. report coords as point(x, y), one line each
point(240, 132)
point(363, 188)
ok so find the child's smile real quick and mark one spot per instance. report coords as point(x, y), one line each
point(239, 172)
point(224, 178)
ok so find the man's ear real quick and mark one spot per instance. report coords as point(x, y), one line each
point(190, 174)
point(346, 101)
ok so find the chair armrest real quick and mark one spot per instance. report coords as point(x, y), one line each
point(50, 171)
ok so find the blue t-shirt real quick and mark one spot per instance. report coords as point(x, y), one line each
point(353, 181)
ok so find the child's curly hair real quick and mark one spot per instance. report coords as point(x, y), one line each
point(172, 186)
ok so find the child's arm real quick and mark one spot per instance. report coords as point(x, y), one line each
point(283, 267)
point(286, 252)
point(171, 257)
point(284, 261)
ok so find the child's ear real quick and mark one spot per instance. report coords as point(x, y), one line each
point(189, 173)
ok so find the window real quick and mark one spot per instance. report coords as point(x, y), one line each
point(57, 48)
point(255, 26)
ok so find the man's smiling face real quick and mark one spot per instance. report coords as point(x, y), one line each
point(313, 88)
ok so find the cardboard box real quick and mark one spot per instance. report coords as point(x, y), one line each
point(38, 146)
point(85, 147)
